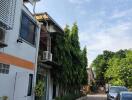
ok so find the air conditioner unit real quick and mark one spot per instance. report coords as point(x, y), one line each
point(47, 56)
point(2, 38)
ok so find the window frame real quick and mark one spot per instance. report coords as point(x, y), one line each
point(4, 69)
point(30, 84)
point(35, 32)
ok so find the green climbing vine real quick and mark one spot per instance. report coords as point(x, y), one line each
point(71, 74)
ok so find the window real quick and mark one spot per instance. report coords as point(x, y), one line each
point(28, 29)
point(30, 85)
point(4, 68)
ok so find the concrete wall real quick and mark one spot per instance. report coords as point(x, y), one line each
point(23, 50)
point(7, 82)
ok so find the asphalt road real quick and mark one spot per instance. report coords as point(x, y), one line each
point(94, 97)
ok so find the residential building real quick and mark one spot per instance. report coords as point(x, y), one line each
point(46, 62)
point(19, 42)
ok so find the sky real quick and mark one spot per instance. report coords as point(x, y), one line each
point(103, 24)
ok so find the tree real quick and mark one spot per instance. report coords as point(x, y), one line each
point(73, 61)
point(126, 68)
point(114, 67)
point(100, 65)
point(113, 72)
point(84, 66)
point(120, 68)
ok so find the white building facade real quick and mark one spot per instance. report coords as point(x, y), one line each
point(19, 43)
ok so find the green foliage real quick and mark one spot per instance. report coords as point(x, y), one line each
point(118, 68)
point(117, 82)
point(113, 69)
point(100, 65)
point(72, 73)
point(126, 68)
point(4, 98)
point(39, 89)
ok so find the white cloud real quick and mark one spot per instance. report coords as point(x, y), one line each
point(106, 33)
point(83, 12)
point(79, 1)
point(111, 38)
point(119, 14)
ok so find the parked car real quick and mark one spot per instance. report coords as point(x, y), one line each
point(114, 92)
point(126, 96)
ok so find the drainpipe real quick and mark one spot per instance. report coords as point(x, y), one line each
point(34, 6)
point(37, 50)
point(36, 57)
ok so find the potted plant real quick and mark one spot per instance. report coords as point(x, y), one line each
point(4, 98)
point(39, 90)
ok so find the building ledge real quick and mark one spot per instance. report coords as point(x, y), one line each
point(2, 45)
point(50, 63)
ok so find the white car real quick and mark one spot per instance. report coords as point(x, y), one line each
point(126, 96)
point(114, 91)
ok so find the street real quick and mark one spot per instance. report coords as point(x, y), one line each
point(94, 97)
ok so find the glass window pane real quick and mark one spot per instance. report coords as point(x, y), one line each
point(30, 84)
point(4, 69)
point(31, 34)
point(28, 29)
point(0, 70)
point(24, 28)
point(0, 66)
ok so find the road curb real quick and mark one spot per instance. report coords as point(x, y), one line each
point(85, 97)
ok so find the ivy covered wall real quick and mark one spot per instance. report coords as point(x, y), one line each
point(71, 74)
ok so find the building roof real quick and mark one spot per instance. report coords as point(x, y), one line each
point(45, 17)
point(31, 1)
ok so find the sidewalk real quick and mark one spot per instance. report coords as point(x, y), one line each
point(94, 97)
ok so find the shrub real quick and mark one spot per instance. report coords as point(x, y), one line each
point(39, 89)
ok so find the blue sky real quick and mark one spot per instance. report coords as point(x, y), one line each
point(103, 24)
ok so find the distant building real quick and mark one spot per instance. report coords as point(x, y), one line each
point(90, 76)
